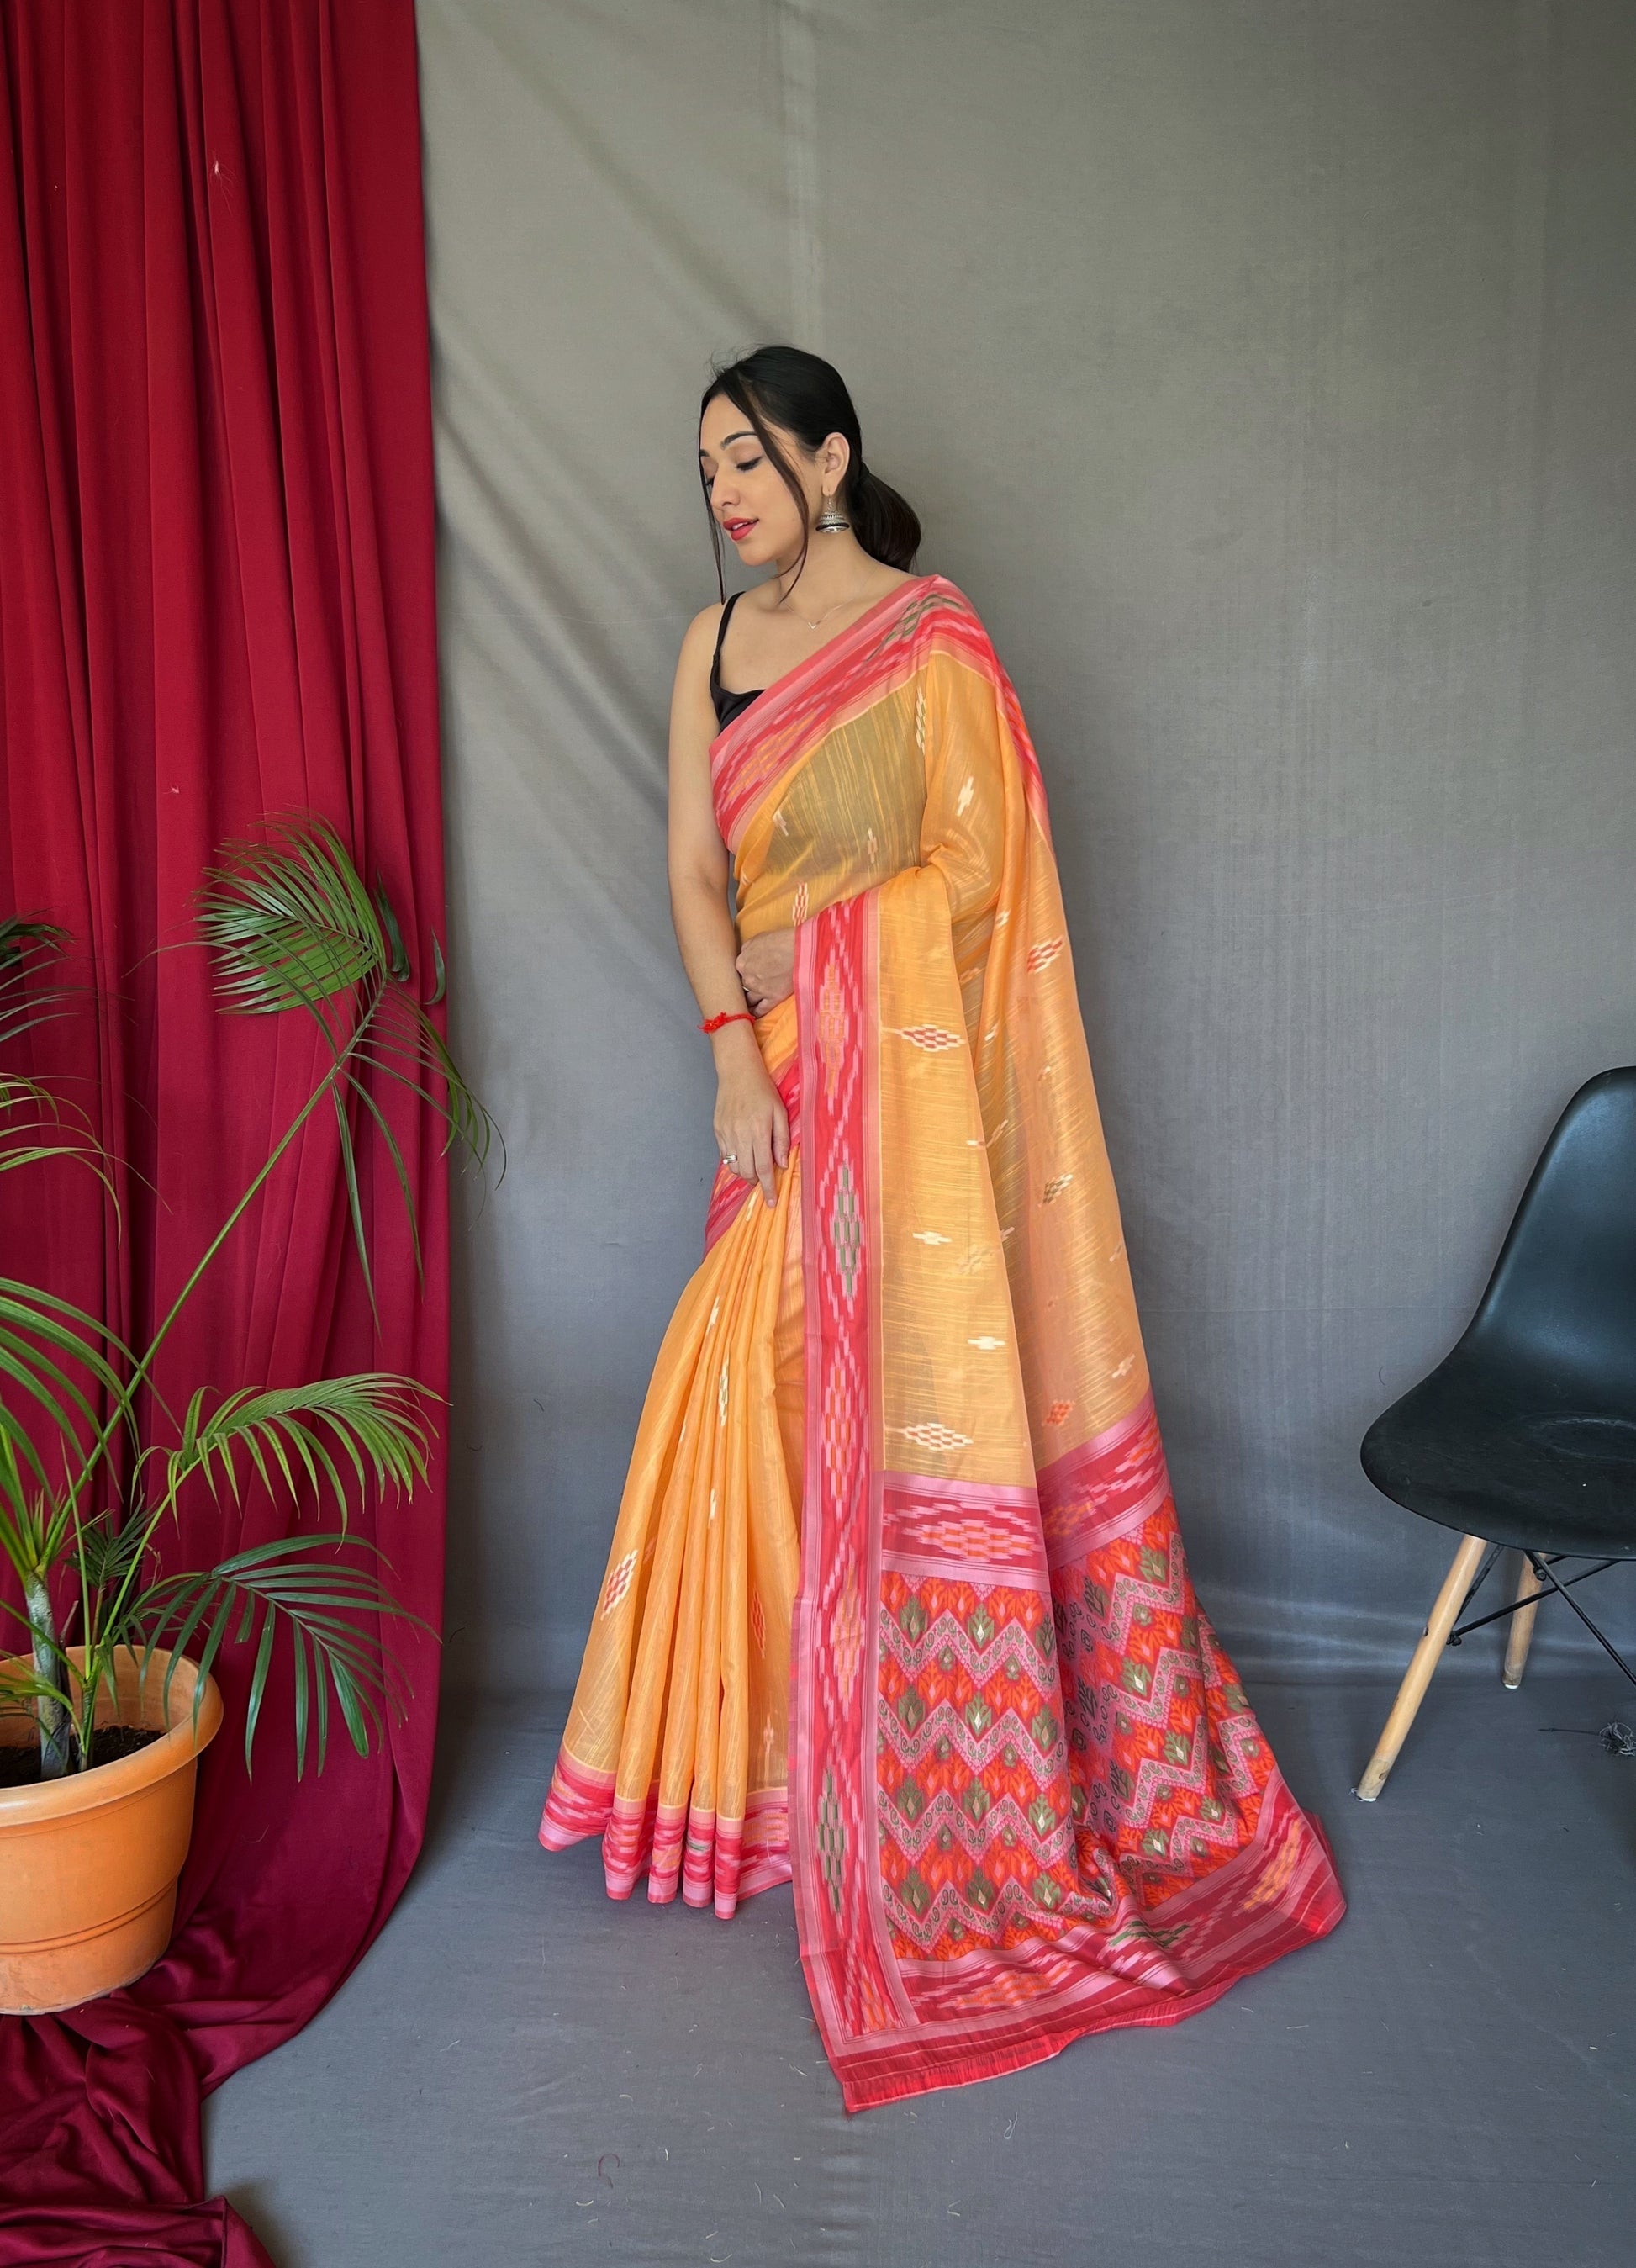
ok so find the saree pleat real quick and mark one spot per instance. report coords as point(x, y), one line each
point(675, 1748)
point(897, 1605)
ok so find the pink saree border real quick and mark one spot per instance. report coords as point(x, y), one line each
point(841, 1921)
point(1300, 1906)
point(713, 1861)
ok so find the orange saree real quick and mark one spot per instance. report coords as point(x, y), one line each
point(897, 1605)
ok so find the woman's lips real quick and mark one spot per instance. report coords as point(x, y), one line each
point(738, 528)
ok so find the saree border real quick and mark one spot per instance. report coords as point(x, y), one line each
point(839, 1917)
point(1288, 1891)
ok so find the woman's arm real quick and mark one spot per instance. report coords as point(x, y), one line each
point(751, 1125)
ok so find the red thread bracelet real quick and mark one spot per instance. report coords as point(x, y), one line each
point(727, 1016)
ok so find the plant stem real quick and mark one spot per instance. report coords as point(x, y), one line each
point(54, 1749)
point(126, 1400)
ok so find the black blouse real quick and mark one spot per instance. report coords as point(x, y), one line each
point(728, 705)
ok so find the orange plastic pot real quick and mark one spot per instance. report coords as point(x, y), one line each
point(88, 1863)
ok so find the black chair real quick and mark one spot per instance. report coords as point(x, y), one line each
point(1524, 1437)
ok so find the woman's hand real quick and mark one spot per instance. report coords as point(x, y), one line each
point(766, 968)
point(751, 1125)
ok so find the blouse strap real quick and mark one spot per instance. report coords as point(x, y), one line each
point(720, 632)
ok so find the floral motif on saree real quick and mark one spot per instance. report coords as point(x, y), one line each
point(897, 1605)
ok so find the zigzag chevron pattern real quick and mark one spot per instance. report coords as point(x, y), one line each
point(1041, 1765)
point(1167, 1761)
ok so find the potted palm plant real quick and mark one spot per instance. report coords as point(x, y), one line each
point(108, 1700)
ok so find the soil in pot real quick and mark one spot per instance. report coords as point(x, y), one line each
point(20, 1767)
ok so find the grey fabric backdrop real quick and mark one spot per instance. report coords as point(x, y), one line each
point(1261, 369)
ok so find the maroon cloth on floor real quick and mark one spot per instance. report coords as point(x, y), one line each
point(217, 601)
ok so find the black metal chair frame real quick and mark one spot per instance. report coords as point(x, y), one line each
point(1542, 1564)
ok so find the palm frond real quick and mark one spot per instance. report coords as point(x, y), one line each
point(31, 1130)
point(22, 1514)
point(398, 965)
point(34, 1528)
point(369, 1422)
point(289, 921)
point(34, 1325)
point(328, 1606)
point(407, 1046)
point(23, 1005)
point(105, 1554)
point(88, 1152)
point(20, 1687)
point(22, 945)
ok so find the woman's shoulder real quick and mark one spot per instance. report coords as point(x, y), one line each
point(704, 623)
point(697, 646)
point(942, 602)
point(943, 588)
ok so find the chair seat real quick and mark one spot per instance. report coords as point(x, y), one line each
point(1494, 1452)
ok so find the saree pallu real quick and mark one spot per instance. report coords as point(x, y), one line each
point(897, 1605)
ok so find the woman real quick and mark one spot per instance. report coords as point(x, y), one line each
point(895, 1602)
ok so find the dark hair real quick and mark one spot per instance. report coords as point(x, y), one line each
point(808, 397)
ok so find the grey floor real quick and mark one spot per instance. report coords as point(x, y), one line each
point(521, 2071)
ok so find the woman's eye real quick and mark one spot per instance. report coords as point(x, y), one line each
point(747, 465)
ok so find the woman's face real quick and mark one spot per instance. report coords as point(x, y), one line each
point(747, 491)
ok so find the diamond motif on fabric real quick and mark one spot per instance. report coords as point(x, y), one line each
point(618, 1583)
point(847, 1633)
point(831, 1841)
point(932, 1037)
point(1041, 956)
point(839, 1426)
point(846, 1231)
point(931, 1435)
point(1058, 1412)
point(834, 1028)
point(757, 1621)
point(968, 1539)
point(1054, 1188)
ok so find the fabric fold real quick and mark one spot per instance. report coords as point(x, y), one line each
point(675, 1747)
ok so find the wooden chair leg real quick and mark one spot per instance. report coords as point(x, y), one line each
point(1412, 1693)
point(1528, 1587)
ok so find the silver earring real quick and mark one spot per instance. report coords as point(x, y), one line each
point(832, 520)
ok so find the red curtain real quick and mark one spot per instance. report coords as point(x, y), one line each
point(217, 601)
